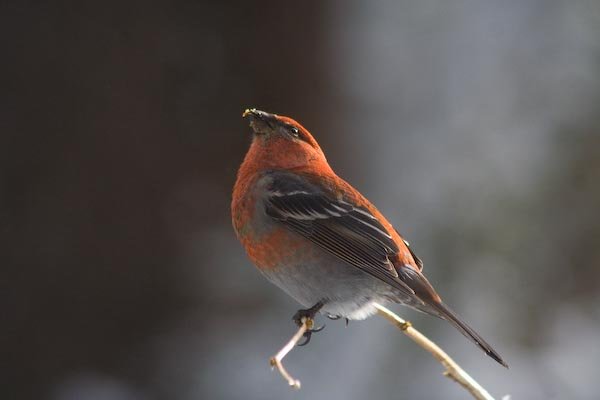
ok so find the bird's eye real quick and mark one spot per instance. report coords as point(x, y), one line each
point(294, 131)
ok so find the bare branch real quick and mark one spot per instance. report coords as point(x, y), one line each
point(453, 370)
point(276, 360)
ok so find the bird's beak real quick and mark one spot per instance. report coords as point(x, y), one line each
point(248, 112)
point(259, 120)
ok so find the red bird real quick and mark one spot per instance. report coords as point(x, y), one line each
point(317, 238)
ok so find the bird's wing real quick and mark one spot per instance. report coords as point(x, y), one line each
point(345, 230)
point(418, 261)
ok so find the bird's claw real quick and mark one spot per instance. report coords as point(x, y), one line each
point(306, 317)
point(308, 334)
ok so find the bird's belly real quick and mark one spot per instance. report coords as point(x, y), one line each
point(310, 274)
point(344, 290)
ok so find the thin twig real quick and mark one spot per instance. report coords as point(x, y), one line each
point(276, 360)
point(453, 370)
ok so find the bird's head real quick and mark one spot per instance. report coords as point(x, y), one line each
point(282, 142)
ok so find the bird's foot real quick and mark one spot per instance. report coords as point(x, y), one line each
point(336, 317)
point(307, 317)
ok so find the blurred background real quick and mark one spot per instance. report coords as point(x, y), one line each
point(472, 125)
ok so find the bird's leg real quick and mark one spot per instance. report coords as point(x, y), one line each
point(308, 316)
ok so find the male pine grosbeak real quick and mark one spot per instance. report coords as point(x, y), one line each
point(317, 238)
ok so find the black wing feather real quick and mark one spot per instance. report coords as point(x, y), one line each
point(348, 232)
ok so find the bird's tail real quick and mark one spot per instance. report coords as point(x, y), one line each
point(449, 315)
point(432, 304)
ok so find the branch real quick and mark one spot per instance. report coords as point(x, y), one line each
point(276, 360)
point(453, 370)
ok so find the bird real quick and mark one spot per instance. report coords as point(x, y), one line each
point(319, 239)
